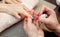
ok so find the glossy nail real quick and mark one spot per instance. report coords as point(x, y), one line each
point(26, 17)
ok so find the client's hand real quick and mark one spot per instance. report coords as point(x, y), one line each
point(31, 29)
point(16, 10)
point(12, 1)
point(51, 21)
point(14, 7)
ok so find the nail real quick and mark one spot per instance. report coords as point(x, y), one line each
point(37, 18)
point(26, 17)
point(38, 14)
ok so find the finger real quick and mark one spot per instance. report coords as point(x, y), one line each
point(46, 10)
point(9, 2)
point(2, 10)
point(3, 1)
point(37, 25)
point(29, 20)
point(25, 24)
point(19, 1)
point(24, 12)
point(40, 31)
point(17, 16)
point(27, 9)
point(31, 12)
point(44, 20)
point(25, 21)
point(16, 1)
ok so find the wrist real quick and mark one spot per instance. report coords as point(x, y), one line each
point(58, 28)
point(57, 31)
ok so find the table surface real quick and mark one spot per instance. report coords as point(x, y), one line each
point(17, 29)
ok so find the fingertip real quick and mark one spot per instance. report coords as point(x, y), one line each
point(17, 16)
point(25, 21)
point(41, 32)
point(31, 12)
point(42, 9)
point(41, 19)
point(19, 1)
point(26, 17)
point(25, 24)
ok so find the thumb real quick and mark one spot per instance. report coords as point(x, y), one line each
point(43, 20)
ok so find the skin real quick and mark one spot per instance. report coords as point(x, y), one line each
point(51, 22)
point(16, 10)
point(10, 4)
point(12, 1)
point(31, 29)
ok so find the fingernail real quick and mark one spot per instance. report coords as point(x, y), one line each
point(26, 17)
point(37, 18)
point(38, 14)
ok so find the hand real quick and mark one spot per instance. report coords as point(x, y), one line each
point(12, 1)
point(31, 29)
point(51, 21)
point(16, 10)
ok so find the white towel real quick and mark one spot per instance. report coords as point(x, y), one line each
point(6, 21)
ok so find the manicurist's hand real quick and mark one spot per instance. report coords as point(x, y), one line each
point(51, 21)
point(31, 29)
